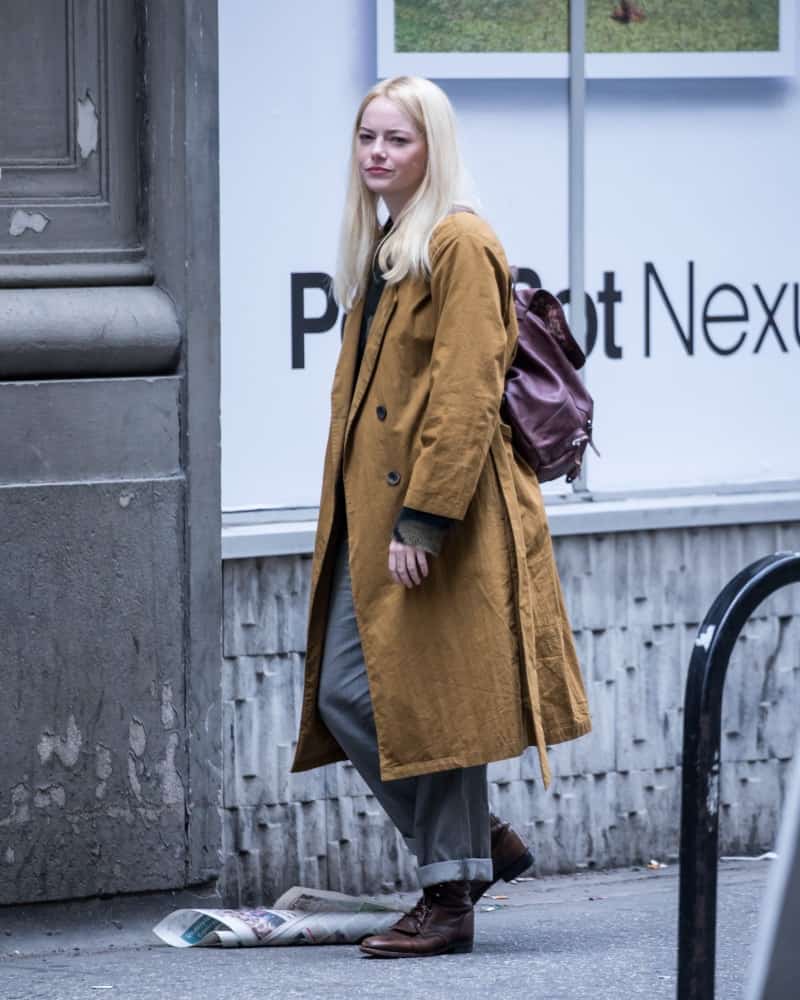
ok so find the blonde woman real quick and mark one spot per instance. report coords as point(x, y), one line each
point(437, 639)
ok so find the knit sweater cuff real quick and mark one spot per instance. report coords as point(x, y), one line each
point(425, 531)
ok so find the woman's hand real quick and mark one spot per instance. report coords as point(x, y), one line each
point(408, 564)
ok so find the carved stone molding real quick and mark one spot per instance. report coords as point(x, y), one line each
point(66, 332)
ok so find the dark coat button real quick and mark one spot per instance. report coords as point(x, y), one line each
point(381, 412)
point(393, 478)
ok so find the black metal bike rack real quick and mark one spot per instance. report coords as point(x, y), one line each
point(699, 849)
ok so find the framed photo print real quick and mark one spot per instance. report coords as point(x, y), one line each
point(624, 38)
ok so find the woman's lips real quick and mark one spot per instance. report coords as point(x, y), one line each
point(378, 170)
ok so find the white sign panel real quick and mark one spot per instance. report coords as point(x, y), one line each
point(458, 39)
point(692, 261)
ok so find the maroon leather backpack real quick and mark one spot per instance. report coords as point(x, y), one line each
point(545, 400)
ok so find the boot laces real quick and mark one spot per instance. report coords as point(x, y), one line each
point(422, 908)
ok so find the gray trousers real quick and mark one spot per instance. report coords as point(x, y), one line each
point(443, 817)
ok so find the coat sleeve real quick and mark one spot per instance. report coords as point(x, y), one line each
point(470, 292)
point(418, 527)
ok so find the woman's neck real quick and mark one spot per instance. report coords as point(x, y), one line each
point(395, 204)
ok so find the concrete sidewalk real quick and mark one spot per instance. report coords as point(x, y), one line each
point(605, 936)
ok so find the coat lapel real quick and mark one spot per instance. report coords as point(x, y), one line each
point(380, 322)
point(342, 391)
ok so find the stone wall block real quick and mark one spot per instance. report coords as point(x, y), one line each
point(271, 849)
point(663, 577)
point(261, 708)
point(632, 818)
point(751, 793)
point(786, 602)
point(248, 873)
point(247, 839)
point(781, 736)
point(585, 569)
point(780, 538)
point(369, 854)
point(241, 677)
point(240, 597)
point(242, 876)
point(662, 798)
point(529, 768)
point(646, 596)
point(599, 653)
point(249, 723)
point(280, 851)
point(502, 772)
point(749, 692)
point(570, 833)
point(635, 601)
point(648, 690)
point(229, 760)
point(266, 605)
point(308, 829)
point(343, 780)
point(523, 804)
point(305, 786)
point(605, 842)
point(595, 752)
point(783, 604)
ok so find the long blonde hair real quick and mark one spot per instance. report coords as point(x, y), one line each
point(405, 250)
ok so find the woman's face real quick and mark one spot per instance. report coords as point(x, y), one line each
point(392, 153)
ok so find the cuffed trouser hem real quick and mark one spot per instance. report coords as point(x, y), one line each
point(462, 870)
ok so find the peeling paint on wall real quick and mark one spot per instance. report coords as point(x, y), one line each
point(169, 716)
point(172, 791)
point(87, 126)
point(133, 777)
point(20, 807)
point(22, 221)
point(118, 812)
point(66, 748)
point(102, 768)
point(137, 737)
point(50, 795)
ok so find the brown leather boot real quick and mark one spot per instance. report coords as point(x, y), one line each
point(443, 921)
point(510, 856)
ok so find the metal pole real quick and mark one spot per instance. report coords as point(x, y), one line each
point(577, 102)
point(701, 765)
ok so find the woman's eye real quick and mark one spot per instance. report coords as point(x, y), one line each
point(399, 142)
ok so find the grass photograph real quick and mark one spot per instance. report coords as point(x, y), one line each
point(612, 26)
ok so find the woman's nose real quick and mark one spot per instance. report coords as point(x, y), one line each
point(378, 150)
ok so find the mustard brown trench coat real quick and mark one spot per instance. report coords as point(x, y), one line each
point(478, 662)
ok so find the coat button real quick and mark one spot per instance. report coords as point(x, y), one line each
point(381, 412)
point(393, 478)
